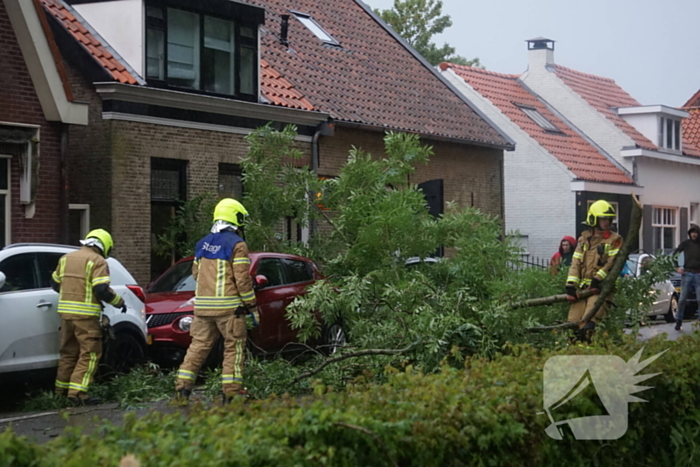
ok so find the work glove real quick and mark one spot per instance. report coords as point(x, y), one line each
point(571, 293)
point(123, 307)
point(595, 286)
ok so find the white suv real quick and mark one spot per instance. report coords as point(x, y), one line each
point(29, 322)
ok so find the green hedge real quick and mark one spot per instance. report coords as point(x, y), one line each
point(483, 415)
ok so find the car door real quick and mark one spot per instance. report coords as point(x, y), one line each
point(30, 324)
point(662, 292)
point(273, 332)
point(299, 276)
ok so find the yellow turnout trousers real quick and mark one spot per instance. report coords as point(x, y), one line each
point(80, 352)
point(579, 309)
point(205, 331)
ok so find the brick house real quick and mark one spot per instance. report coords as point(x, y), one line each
point(175, 85)
point(553, 168)
point(691, 136)
point(646, 141)
point(36, 109)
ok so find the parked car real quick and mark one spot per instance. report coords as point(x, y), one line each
point(666, 302)
point(30, 335)
point(277, 279)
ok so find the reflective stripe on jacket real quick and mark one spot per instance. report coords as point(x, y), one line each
point(222, 271)
point(593, 258)
point(77, 274)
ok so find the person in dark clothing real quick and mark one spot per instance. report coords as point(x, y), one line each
point(690, 272)
point(562, 258)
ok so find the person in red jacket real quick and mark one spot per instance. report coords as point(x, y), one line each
point(562, 258)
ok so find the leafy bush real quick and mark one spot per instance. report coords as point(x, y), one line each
point(487, 413)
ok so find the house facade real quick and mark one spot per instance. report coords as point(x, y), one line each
point(554, 172)
point(36, 110)
point(647, 141)
point(174, 87)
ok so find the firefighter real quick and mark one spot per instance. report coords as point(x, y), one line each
point(592, 260)
point(82, 281)
point(223, 297)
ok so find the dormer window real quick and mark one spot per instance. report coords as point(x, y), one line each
point(190, 50)
point(670, 133)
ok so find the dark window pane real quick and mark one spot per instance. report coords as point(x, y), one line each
point(270, 268)
point(669, 133)
point(176, 279)
point(677, 135)
point(155, 46)
point(165, 184)
point(3, 220)
point(248, 70)
point(4, 171)
point(183, 48)
point(19, 273)
point(217, 60)
point(298, 271)
point(47, 265)
point(230, 181)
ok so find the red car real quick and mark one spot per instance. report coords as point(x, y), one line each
point(277, 279)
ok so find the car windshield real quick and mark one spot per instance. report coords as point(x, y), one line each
point(176, 279)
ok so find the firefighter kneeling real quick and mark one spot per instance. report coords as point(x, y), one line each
point(595, 255)
point(223, 298)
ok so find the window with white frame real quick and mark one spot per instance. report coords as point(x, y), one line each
point(4, 201)
point(663, 223)
point(617, 212)
point(695, 213)
point(315, 28)
point(78, 222)
point(670, 133)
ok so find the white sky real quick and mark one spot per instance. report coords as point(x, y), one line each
point(651, 48)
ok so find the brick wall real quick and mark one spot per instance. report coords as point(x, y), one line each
point(20, 104)
point(472, 175)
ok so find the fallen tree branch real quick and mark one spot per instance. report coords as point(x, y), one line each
point(608, 285)
point(359, 353)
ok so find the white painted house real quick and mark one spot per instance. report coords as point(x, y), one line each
point(554, 171)
point(580, 138)
point(646, 140)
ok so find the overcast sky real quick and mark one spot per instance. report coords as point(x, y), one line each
point(651, 48)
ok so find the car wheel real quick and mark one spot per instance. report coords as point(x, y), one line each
point(333, 338)
point(121, 354)
point(670, 317)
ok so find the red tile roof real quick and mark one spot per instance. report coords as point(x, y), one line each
point(604, 95)
point(66, 16)
point(505, 91)
point(693, 101)
point(278, 91)
point(371, 78)
point(691, 129)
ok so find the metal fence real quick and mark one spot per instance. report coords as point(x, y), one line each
point(527, 262)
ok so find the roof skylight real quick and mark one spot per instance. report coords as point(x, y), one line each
point(538, 118)
point(314, 27)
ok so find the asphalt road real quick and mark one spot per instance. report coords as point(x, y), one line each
point(658, 328)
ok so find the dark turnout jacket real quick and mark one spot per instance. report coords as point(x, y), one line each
point(691, 250)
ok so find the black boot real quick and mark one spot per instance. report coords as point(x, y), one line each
point(183, 396)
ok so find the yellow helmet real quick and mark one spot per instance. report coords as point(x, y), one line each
point(600, 208)
point(230, 210)
point(105, 239)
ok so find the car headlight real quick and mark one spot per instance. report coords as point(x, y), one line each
point(185, 323)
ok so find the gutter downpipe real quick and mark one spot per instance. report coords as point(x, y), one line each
point(315, 162)
point(63, 233)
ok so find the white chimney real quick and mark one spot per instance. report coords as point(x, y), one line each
point(540, 53)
